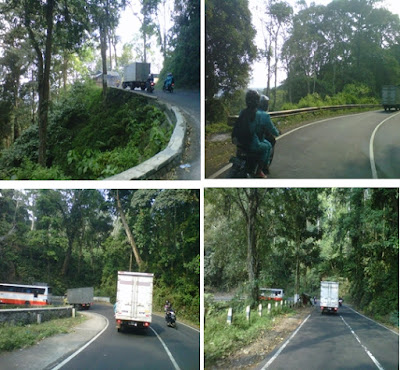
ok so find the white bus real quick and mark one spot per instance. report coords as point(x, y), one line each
point(34, 295)
point(271, 294)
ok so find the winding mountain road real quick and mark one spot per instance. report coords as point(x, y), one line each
point(346, 340)
point(160, 347)
point(357, 146)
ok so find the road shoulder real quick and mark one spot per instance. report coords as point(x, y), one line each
point(251, 356)
point(51, 350)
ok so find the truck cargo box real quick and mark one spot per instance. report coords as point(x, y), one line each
point(391, 97)
point(135, 75)
point(133, 307)
point(329, 301)
point(80, 297)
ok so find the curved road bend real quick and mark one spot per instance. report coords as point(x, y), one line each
point(345, 340)
point(340, 148)
point(189, 102)
point(140, 350)
point(364, 145)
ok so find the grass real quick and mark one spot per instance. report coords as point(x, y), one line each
point(221, 339)
point(13, 337)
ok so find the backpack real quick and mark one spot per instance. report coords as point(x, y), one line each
point(241, 134)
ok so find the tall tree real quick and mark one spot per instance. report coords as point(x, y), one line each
point(230, 48)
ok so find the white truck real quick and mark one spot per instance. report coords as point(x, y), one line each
point(136, 75)
point(133, 307)
point(80, 298)
point(329, 300)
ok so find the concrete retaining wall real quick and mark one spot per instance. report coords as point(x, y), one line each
point(157, 166)
point(30, 315)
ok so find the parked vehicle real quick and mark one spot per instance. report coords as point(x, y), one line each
point(271, 294)
point(391, 97)
point(81, 298)
point(170, 318)
point(135, 75)
point(329, 300)
point(133, 307)
point(35, 295)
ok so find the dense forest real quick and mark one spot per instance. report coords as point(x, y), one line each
point(323, 49)
point(73, 238)
point(48, 46)
point(294, 238)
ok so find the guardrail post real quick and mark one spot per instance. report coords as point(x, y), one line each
point(248, 313)
point(229, 319)
point(39, 318)
point(281, 304)
point(269, 308)
point(74, 312)
point(260, 309)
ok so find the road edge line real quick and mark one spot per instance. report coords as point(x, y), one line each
point(377, 323)
point(176, 366)
point(68, 359)
point(271, 360)
point(371, 146)
point(371, 356)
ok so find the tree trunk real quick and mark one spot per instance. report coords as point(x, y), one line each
point(103, 45)
point(129, 234)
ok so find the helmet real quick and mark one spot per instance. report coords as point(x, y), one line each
point(252, 98)
point(264, 100)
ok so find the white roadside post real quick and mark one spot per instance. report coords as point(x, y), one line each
point(229, 319)
point(248, 313)
point(260, 309)
point(269, 308)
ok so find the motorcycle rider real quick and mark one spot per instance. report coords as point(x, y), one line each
point(244, 134)
point(167, 308)
point(266, 131)
point(169, 80)
point(150, 79)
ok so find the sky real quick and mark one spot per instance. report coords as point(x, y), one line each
point(129, 26)
point(258, 77)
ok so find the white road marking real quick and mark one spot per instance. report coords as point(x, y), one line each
point(371, 146)
point(376, 362)
point(166, 350)
point(284, 345)
point(377, 323)
point(68, 359)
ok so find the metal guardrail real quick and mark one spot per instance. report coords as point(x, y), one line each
point(292, 112)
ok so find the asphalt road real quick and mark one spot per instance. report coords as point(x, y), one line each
point(189, 103)
point(365, 145)
point(329, 342)
point(140, 349)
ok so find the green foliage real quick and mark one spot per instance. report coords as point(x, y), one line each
point(305, 236)
point(183, 58)
point(87, 140)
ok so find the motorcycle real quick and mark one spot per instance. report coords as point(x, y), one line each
point(246, 164)
point(169, 87)
point(340, 302)
point(150, 87)
point(170, 318)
